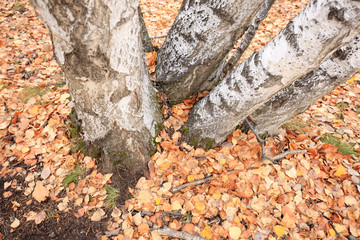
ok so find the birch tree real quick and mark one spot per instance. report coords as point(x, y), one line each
point(201, 36)
point(98, 46)
point(319, 29)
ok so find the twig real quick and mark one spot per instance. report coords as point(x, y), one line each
point(197, 182)
point(177, 234)
point(330, 222)
point(284, 154)
point(113, 232)
point(262, 142)
point(158, 36)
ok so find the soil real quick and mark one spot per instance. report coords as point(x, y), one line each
point(57, 225)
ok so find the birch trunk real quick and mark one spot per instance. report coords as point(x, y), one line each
point(98, 46)
point(302, 93)
point(202, 35)
point(322, 27)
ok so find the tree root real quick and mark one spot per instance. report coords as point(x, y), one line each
point(262, 142)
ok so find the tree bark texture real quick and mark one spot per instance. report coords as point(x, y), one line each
point(98, 46)
point(202, 35)
point(321, 28)
point(146, 41)
point(298, 97)
point(226, 67)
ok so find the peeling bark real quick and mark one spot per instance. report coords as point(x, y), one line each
point(202, 35)
point(98, 46)
point(298, 97)
point(322, 27)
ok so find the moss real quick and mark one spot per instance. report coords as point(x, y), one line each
point(193, 142)
point(118, 158)
point(185, 130)
point(207, 143)
point(152, 152)
point(158, 128)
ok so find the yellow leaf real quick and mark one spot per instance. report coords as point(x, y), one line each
point(158, 201)
point(234, 232)
point(332, 232)
point(200, 206)
point(191, 178)
point(340, 171)
point(206, 232)
point(217, 196)
point(351, 80)
point(222, 161)
point(279, 230)
point(34, 110)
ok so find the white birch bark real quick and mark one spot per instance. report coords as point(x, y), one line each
point(322, 27)
point(202, 35)
point(302, 93)
point(97, 43)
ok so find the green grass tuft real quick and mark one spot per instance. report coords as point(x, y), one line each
point(74, 176)
point(343, 147)
point(30, 92)
point(112, 197)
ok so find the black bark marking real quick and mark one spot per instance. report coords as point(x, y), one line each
point(291, 37)
point(337, 14)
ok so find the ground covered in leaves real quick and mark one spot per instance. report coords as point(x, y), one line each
point(49, 191)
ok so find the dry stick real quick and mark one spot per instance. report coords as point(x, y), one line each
point(197, 182)
point(330, 222)
point(250, 33)
point(262, 142)
point(158, 36)
point(177, 234)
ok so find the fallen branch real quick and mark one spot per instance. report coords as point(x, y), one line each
point(262, 142)
point(177, 234)
point(194, 183)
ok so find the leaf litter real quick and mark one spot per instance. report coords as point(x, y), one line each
point(222, 193)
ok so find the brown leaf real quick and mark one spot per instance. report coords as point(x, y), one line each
point(40, 193)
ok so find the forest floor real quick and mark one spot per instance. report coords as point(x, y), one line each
point(49, 192)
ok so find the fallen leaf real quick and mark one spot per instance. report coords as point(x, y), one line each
point(40, 192)
point(15, 223)
point(97, 216)
point(235, 232)
point(40, 217)
point(206, 232)
point(279, 230)
point(340, 171)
